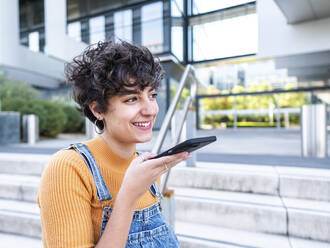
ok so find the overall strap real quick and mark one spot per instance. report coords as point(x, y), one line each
point(154, 189)
point(103, 192)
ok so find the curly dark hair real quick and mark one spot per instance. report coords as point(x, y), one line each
point(106, 69)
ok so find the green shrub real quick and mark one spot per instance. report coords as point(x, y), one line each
point(26, 107)
point(20, 90)
point(55, 118)
point(51, 116)
point(75, 121)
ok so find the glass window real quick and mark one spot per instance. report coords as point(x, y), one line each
point(177, 42)
point(225, 38)
point(83, 8)
point(177, 28)
point(152, 26)
point(94, 5)
point(34, 41)
point(75, 9)
point(177, 8)
point(123, 25)
point(31, 13)
point(74, 30)
point(96, 29)
point(101, 5)
point(202, 6)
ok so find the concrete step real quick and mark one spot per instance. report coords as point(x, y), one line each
point(17, 241)
point(20, 218)
point(28, 164)
point(192, 235)
point(313, 216)
point(252, 212)
point(304, 183)
point(19, 187)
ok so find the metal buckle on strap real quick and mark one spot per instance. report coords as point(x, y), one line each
point(106, 203)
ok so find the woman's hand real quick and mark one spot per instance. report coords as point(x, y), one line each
point(143, 171)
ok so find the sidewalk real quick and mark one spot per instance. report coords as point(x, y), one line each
point(245, 146)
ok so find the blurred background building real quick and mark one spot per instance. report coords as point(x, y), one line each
point(234, 44)
point(259, 64)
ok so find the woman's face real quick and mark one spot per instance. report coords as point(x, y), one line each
point(130, 116)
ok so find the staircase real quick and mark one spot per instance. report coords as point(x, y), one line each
point(19, 213)
point(232, 205)
point(217, 205)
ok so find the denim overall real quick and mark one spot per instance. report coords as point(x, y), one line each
point(148, 228)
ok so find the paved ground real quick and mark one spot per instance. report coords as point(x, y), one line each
point(246, 146)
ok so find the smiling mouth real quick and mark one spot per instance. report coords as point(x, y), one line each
point(143, 124)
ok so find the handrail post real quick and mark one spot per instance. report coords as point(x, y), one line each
point(177, 138)
point(191, 133)
point(197, 112)
point(278, 114)
point(168, 200)
point(235, 113)
point(170, 112)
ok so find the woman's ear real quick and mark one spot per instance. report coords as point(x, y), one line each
point(93, 108)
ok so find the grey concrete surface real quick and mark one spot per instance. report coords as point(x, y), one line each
point(280, 147)
point(12, 240)
point(246, 199)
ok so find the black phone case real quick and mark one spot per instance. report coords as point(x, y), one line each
point(188, 146)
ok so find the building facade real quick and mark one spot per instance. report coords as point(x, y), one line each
point(236, 42)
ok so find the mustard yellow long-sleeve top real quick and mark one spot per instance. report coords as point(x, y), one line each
point(70, 212)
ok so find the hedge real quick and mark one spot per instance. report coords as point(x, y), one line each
point(51, 116)
point(75, 122)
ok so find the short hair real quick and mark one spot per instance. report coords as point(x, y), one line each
point(105, 69)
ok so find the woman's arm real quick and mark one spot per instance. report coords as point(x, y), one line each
point(64, 199)
point(138, 178)
point(116, 232)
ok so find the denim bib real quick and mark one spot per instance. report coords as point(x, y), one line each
point(148, 228)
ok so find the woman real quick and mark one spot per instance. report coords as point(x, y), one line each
point(101, 193)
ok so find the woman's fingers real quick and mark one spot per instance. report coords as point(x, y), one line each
point(167, 162)
point(144, 171)
point(145, 156)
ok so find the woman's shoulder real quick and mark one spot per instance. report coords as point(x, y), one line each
point(66, 161)
point(65, 172)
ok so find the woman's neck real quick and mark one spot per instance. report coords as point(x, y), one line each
point(123, 150)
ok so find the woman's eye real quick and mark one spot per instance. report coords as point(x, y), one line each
point(132, 99)
point(154, 95)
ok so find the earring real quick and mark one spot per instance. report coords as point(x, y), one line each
point(96, 127)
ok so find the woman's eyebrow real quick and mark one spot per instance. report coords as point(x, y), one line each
point(132, 91)
point(128, 92)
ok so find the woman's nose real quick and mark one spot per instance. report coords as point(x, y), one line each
point(149, 107)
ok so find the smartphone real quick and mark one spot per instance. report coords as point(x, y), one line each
point(189, 145)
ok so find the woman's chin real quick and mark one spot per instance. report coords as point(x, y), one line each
point(144, 139)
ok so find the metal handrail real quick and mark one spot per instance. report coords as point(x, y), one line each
point(170, 113)
point(177, 137)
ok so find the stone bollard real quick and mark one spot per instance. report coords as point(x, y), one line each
point(9, 127)
point(168, 207)
point(30, 129)
point(314, 131)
